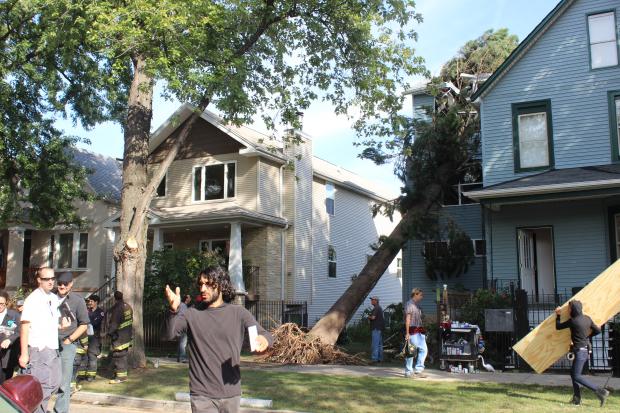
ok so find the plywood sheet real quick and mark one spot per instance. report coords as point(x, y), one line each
point(544, 345)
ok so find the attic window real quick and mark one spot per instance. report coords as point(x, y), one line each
point(603, 40)
point(161, 189)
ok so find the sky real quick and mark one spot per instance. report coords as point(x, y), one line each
point(447, 25)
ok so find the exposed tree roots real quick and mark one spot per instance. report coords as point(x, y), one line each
point(293, 346)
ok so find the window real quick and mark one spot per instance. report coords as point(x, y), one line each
point(532, 135)
point(480, 247)
point(69, 250)
point(603, 40)
point(399, 267)
point(221, 246)
point(168, 245)
point(214, 181)
point(614, 123)
point(331, 261)
point(436, 249)
point(83, 250)
point(64, 249)
point(161, 189)
point(330, 201)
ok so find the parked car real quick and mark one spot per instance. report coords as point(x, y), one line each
point(21, 394)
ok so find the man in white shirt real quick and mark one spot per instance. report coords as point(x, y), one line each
point(39, 336)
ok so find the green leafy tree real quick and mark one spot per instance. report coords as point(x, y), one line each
point(240, 56)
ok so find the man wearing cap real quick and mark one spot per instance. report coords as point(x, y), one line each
point(19, 305)
point(377, 325)
point(39, 336)
point(73, 307)
point(96, 315)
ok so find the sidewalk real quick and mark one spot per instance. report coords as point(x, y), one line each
point(443, 376)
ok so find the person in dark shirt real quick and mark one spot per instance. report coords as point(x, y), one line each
point(581, 329)
point(215, 331)
point(97, 316)
point(376, 326)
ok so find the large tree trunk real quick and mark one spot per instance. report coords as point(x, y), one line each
point(138, 191)
point(328, 328)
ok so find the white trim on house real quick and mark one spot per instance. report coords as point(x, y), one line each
point(543, 189)
point(74, 250)
point(202, 181)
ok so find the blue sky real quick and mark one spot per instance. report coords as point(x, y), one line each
point(447, 25)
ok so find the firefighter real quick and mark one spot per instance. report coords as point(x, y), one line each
point(121, 333)
point(97, 316)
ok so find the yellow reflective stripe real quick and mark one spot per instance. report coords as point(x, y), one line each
point(80, 351)
point(121, 374)
point(91, 373)
point(123, 346)
point(125, 325)
point(81, 373)
point(84, 341)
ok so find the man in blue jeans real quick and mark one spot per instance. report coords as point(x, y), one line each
point(73, 307)
point(581, 329)
point(414, 333)
point(377, 325)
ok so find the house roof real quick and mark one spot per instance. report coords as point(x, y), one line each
point(106, 178)
point(349, 180)
point(567, 180)
point(523, 47)
point(223, 212)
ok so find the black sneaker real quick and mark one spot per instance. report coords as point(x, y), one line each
point(602, 395)
point(576, 401)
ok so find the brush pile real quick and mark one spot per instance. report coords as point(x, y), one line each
point(292, 346)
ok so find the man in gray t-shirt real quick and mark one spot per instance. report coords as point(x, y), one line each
point(215, 332)
point(377, 324)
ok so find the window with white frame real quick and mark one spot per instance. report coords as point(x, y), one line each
point(331, 261)
point(216, 181)
point(603, 40)
point(69, 250)
point(330, 198)
point(480, 247)
point(161, 189)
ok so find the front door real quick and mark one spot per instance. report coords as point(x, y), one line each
point(536, 262)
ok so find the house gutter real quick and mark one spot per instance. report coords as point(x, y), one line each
point(282, 237)
point(542, 189)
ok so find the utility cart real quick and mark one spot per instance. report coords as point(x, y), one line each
point(459, 345)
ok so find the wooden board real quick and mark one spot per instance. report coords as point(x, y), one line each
point(544, 345)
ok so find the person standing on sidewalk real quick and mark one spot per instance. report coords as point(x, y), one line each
point(121, 332)
point(39, 336)
point(377, 325)
point(72, 307)
point(182, 350)
point(9, 340)
point(215, 330)
point(96, 316)
point(581, 329)
point(415, 333)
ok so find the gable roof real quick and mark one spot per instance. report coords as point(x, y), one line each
point(105, 178)
point(523, 47)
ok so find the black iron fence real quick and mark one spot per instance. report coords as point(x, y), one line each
point(270, 314)
point(525, 312)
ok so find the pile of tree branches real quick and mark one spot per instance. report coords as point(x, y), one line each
point(291, 345)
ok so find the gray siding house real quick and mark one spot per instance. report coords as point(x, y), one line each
point(466, 215)
point(551, 171)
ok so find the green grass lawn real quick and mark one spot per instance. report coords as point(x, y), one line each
point(324, 393)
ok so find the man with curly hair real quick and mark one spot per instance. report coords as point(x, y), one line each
point(215, 332)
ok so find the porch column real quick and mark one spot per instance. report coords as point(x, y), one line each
point(15, 257)
point(158, 239)
point(234, 258)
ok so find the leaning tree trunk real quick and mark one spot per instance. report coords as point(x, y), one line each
point(328, 328)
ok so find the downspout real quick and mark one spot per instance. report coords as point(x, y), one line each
point(282, 238)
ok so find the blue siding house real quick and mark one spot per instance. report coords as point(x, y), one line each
point(466, 215)
point(551, 161)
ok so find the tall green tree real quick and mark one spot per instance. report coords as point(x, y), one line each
point(430, 157)
point(240, 56)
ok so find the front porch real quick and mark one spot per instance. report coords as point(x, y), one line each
point(254, 251)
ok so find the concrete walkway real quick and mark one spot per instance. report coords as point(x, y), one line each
point(443, 376)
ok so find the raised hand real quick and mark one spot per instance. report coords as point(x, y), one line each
point(174, 298)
